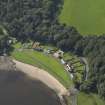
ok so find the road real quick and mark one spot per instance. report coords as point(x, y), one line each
point(86, 66)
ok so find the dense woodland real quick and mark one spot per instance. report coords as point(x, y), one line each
point(37, 20)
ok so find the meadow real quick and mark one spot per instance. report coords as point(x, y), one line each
point(88, 16)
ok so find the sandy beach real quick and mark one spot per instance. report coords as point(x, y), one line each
point(43, 76)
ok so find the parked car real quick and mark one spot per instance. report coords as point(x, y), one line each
point(38, 49)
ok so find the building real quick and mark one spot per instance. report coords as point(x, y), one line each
point(67, 67)
point(63, 62)
point(58, 54)
point(36, 45)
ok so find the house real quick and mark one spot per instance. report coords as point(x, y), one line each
point(36, 45)
point(63, 62)
point(72, 76)
point(48, 51)
point(58, 54)
point(67, 67)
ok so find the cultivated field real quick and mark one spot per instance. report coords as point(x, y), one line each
point(88, 16)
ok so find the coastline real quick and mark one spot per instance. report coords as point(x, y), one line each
point(43, 76)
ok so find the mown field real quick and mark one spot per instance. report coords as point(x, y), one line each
point(88, 16)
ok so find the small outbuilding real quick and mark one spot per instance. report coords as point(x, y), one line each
point(36, 45)
point(58, 54)
point(67, 67)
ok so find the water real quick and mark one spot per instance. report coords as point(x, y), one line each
point(18, 89)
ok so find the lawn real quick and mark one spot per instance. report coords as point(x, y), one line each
point(88, 16)
point(45, 62)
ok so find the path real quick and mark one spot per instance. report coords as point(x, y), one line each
point(86, 66)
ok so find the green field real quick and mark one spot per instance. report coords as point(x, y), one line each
point(45, 62)
point(88, 16)
point(89, 99)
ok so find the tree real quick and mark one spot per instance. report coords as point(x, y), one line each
point(3, 39)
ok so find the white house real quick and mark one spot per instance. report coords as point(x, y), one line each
point(72, 76)
point(68, 68)
point(58, 54)
point(63, 62)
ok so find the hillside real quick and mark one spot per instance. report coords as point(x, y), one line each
point(88, 16)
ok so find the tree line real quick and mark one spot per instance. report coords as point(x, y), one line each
point(37, 20)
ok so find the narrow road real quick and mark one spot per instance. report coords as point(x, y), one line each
point(86, 66)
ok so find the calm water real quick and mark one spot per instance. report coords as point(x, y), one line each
point(18, 89)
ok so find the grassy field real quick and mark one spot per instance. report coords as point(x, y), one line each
point(45, 62)
point(88, 16)
point(89, 99)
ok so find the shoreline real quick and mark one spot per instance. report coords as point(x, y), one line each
point(43, 76)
